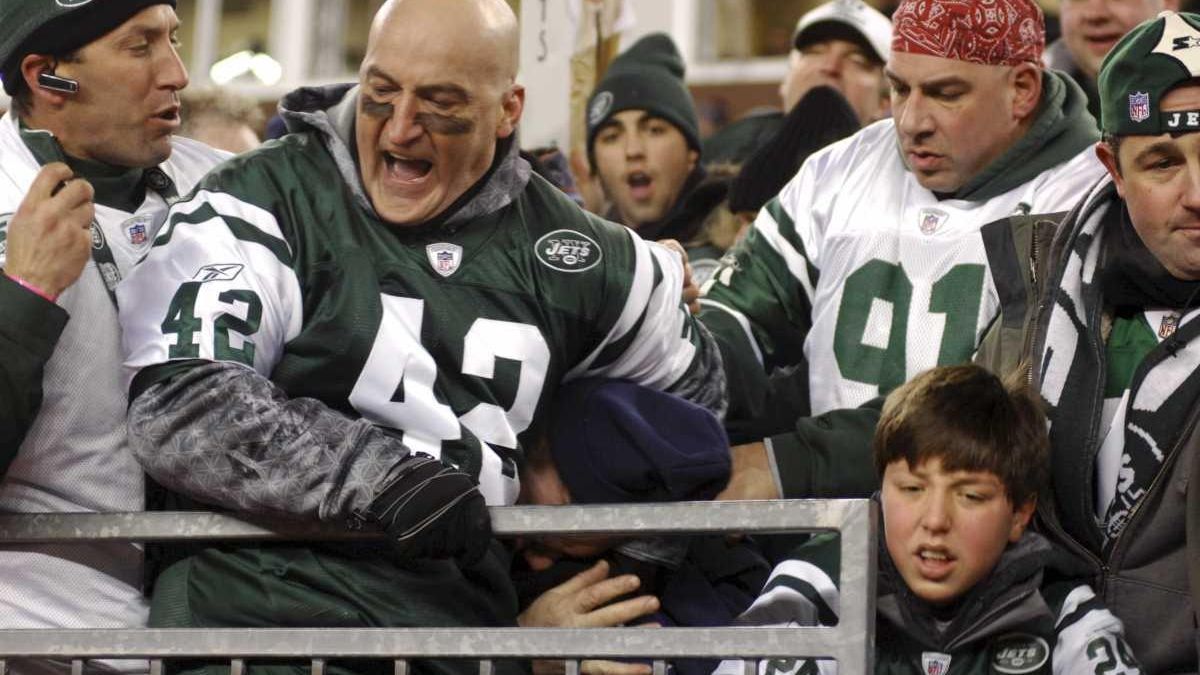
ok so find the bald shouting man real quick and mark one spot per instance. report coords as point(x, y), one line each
point(364, 323)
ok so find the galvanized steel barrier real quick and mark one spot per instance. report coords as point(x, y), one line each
point(851, 642)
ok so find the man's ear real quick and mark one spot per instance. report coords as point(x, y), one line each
point(1026, 81)
point(1109, 159)
point(512, 106)
point(693, 157)
point(34, 65)
point(1021, 517)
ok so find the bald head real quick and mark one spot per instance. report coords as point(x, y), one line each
point(438, 94)
point(486, 29)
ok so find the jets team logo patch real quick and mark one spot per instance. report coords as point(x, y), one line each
point(1139, 106)
point(567, 251)
point(935, 663)
point(1020, 653)
point(445, 258)
point(221, 272)
point(4, 218)
point(97, 237)
point(600, 107)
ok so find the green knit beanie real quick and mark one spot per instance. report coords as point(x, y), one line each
point(56, 28)
point(1142, 68)
point(647, 76)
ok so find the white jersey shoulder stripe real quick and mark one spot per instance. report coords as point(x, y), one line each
point(742, 321)
point(226, 204)
point(635, 305)
point(796, 263)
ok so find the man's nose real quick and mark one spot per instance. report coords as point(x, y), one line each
point(912, 116)
point(403, 126)
point(936, 517)
point(635, 145)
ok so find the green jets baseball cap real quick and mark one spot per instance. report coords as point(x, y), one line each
point(1148, 62)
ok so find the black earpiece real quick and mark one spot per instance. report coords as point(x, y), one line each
point(62, 85)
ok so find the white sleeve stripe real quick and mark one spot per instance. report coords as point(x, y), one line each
point(813, 575)
point(1078, 595)
point(635, 304)
point(796, 264)
point(658, 356)
point(227, 205)
point(742, 321)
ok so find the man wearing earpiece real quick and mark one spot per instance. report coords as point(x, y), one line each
point(88, 167)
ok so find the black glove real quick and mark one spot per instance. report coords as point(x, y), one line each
point(431, 510)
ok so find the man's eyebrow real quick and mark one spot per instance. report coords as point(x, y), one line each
point(1163, 147)
point(375, 72)
point(938, 83)
point(443, 89)
point(146, 31)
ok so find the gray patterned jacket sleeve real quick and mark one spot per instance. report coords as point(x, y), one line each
point(704, 383)
point(227, 436)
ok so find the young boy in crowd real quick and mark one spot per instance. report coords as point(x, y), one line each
point(962, 586)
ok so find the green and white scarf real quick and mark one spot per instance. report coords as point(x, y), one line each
point(1069, 368)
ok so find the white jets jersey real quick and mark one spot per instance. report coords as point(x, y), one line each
point(74, 456)
point(898, 281)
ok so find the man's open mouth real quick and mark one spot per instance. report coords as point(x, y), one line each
point(639, 184)
point(407, 169)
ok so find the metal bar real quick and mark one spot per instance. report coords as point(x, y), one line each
point(856, 616)
point(572, 667)
point(507, 521)
point(473, 643)
point(486, 668)
point(76, 666)
point(851, 643)
point(660, 667)
point(318, 667)
point(156, 667)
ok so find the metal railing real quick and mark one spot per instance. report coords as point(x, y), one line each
point(851, 642)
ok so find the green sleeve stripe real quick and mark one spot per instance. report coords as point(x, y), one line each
point(241, 230)
point(779, 231)
point(614, 350)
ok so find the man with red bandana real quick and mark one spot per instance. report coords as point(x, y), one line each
point(902, 247)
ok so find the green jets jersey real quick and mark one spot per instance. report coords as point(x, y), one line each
point(441, 333)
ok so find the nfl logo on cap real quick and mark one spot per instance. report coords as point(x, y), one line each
point(1139, 106)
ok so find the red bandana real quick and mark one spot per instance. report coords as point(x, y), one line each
point(991, 32)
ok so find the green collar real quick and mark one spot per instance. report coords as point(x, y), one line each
point(120, 188)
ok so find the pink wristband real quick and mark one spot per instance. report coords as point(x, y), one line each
point(31, 287)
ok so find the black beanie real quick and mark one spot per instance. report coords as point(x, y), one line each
point(56, 28)
point(647, 76)
point(820, 118)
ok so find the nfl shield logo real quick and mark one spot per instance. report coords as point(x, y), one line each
point(137, 234)
point(935, 663)
point(1139, 106)
point(444, 258)
point(932, 220)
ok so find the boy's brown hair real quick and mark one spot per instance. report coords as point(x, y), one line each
point(972, 421)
